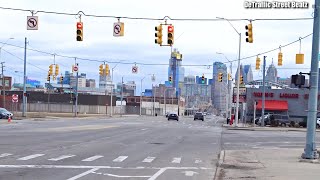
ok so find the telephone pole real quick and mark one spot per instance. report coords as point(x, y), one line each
point(3, 85)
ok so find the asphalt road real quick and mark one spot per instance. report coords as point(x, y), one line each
point(119, 148)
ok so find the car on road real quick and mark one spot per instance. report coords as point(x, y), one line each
point(5, 114)
point(198, 115)
point(173, 116)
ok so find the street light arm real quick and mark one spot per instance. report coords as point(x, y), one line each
point(230, 24)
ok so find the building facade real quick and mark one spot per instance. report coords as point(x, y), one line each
point(91, 83)
point(219, 90)
point(272, 73)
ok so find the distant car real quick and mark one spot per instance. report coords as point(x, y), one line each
point(167, 114)
point(173, 116)
point(4, 114)
point(318, 123)
point(198, 115)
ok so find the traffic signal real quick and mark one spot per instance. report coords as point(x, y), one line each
point(48, 78)
point(280, 59)
point(57, 70)
point(170, 79)
point(229, 77)
point(50, 70)
point(107, 69)
point(170, 35)
point(79, 31)
point(61, 79)
point(101, 70)
point(158, 35)
point(202, 79)
point(241, 79)
point(249, 34)
point(220, 76)
point(258, 63)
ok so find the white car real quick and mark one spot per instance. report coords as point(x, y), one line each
point(318, 123)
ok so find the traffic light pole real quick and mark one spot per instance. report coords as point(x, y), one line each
point(310, 151)
point(238, 83)
point(24, 100)
point(263, 89)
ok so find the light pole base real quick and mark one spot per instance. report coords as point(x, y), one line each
point(310, 153)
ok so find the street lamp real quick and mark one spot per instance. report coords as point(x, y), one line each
point(238, 76)
point(230, 83)
point(3, 81)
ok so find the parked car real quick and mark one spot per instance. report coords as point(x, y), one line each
point(198, 115)
point(304, 123)
point(173, 116)
point(4, 114)
point(266, 120)
point(281, 119)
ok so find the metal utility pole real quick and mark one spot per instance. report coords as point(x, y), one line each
point(141, 95)
point(3, 85)
point(121, 96)
point(49, 95)
point(111, 103)
point(238, 83)
point(24, 100)
point(263, 90)
point(310, 151)
point(76, 93)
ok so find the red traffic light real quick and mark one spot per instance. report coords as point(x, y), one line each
point(79, 25)
point(170, 28)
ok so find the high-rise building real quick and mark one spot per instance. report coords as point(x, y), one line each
point(272, 73)
point(219, 89)
point(91, 83)
point(248, 75)
point(176, 71)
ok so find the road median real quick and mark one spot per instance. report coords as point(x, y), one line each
point(265, 128)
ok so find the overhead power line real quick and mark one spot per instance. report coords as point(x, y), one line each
point(81, 13)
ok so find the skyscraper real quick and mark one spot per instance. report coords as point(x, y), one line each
point(272, 73)
point(219, 89)
point(248, 76)
point(176, 71)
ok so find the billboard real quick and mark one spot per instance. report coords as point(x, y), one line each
point(242, 95)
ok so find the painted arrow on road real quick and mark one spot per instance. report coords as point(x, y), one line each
point(189, 173)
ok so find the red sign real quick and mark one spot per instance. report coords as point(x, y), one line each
point(287, 95)
point(75, 68)
point(15, 98)
point(170, 28)
point(259, 94)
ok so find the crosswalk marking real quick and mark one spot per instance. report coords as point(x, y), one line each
point(148, 159)
point(61, 157)
point(5, 155)
point(197, 161)
point(176, 160)
point(93, 158)
point(120, 158)
point(30, 157)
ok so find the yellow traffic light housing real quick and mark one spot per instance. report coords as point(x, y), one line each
point(241, 79)
point(50, 70)
point(170, 79)
point(249, 33)
point(220, 76)
point(258, 63)
point(79, 31)
point(48, 77)
point(101, 70)
point(158, 35)
point(107, 70)
point(61, 79)
point(280, 59)
point(170, 35)
point(229, 77)
point(57, 70)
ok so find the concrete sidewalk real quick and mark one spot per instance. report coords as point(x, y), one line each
point(257, 128)
point(267, 164)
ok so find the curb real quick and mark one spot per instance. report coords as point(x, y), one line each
point(219, 163)
point(254, 129)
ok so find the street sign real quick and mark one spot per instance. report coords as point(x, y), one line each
point(242, 94)
point(75, 68)
point(135, 69)
point(15, 98)
point(118, 29)
point(32, 22)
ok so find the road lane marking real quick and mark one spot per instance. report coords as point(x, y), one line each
point(118, 176)
point(83, 174)
point(176, 160)
point(216, 121)
point(197, 161)
point(5, 155)
point(92, 158)
point(157, 174)
point(148, 159)
point(30, 157)
point(61, 157)
point(120, 158)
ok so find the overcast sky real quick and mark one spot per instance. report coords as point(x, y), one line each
point(197, 41)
